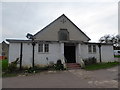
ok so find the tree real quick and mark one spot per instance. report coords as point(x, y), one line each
point(118, 39)
point(105, 39)
point(110, 39)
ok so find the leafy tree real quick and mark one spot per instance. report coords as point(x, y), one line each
point(118, 38)
point(110, 39)
point(105, 39)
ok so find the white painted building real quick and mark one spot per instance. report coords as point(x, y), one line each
point(59, 40)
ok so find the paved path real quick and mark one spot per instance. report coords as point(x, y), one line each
point(106, 78)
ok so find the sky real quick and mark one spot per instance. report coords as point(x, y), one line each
point(95, 18)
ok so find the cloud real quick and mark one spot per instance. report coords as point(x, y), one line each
point(95, 19)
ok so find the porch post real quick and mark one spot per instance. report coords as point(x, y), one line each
point(79, 52)
point(62, 48)
point(62, 52)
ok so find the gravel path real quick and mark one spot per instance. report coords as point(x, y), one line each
point(79, 78)
point(105, 78)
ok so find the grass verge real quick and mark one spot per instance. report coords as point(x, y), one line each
point(101, 65)
point(117, 56)
point(4, 64)
point(9, 74)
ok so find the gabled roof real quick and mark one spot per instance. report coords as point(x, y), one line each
point(56, 20)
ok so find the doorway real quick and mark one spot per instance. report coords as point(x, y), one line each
point(69, 53)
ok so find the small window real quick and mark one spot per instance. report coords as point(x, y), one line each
point(63, 34)
point(40, 47)
point(94, 48)
point(46, 47)
point(89, 48)
point(43, 48)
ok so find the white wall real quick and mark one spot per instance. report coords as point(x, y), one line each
point(53, 55)
point(86, 54)
point(106, 53)
point(27, 54)
point(40, 58)
point(56, 52)
point(14, 51)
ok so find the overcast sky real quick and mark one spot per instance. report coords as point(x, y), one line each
point(95, 19)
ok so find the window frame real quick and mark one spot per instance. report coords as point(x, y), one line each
point(89, 48)
point(40, 50)
point(43, 50)
point(46, 48)
point(94, 48)
point(61, 32)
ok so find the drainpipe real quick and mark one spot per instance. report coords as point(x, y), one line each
point(99, 45)
point(21, 51)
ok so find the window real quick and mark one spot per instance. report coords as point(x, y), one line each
point(63, 34)
point(43, 48)
point(40, 47)
point(94, 48)
point(89, 48)
point(46, 47)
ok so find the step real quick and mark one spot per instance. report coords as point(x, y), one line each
point(73, 68)
point(73, 65)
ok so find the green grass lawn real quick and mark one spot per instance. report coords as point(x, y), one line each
point(4, 64)
point(117, 56)
point(9, 75)
point(101, 65)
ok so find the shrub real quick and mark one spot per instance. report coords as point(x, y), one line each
point(59, 65)
point(4, 64)
point(36, 69)
point(13, 65)
point(59, 62)
point(30, 70)
point(89, 61)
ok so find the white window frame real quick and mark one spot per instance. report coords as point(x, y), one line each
point(92, 49)
point(39, 49)
point(43, 48)
point(89, 48)
point(46, 48)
